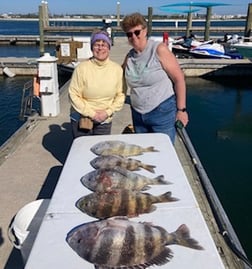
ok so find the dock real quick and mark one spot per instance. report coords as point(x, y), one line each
point(53, 34)
point(32, 159)
point(191, 67)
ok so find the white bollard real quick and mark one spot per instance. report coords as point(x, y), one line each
point(49, 86)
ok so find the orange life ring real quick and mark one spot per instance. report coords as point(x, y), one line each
point(36, 86)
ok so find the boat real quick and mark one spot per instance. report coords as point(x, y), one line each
point(244, 48)
point(215, 51)
point(192, 48)
point(182, 46)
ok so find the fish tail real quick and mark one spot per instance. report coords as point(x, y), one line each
point(148, 167)
point(167, 197)
point(160, 180)
point(150, 149)
point(182, 237)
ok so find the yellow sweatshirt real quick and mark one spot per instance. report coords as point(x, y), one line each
point(97, 85)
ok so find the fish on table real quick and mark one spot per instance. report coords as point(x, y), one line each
point(111, 161)
point(121, 148)
point(121, 203)
point(121, 243)
point(103, 179)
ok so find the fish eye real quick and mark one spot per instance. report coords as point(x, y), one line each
point(79, 240)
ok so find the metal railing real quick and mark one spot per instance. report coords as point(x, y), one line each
point(27, 109)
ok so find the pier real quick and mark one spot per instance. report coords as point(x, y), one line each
point(172, 30)
point(30, 39)
point(50, 36)
point(190, 67)
point(32, 159)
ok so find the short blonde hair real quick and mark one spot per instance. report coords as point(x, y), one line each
point(133, 20)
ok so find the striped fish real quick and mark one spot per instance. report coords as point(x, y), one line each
point(101, 180)
point(111, 161)
point(117, 242)
point(121, 148)
point(120, 203)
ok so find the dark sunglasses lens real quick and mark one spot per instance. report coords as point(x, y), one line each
point(137, 32)
point(129, 34)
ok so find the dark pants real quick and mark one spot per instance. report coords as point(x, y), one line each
point(98, 129)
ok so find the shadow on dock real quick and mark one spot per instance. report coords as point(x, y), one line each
point(58, 141)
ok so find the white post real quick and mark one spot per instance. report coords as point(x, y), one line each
point(118, 12)
point(49, 86)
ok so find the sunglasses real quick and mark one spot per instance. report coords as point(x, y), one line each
point(136, 33)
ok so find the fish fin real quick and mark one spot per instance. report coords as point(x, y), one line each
point(121, 170)
point(160, 180)
point(152, 208)
point(145, 188)
point(148, 167)
point(134, 169)
point(150, 149)
point(164, 257)
point(182, 237)
point(167, 197)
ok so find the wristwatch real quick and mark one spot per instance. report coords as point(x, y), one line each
point(182, 109)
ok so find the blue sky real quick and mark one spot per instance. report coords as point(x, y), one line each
point(109, 6)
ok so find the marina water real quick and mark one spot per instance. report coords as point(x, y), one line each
point(220, 128)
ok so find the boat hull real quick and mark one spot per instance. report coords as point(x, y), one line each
point(244, 48)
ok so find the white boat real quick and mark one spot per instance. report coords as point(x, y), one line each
point(206, 49)
point(244, 48)
point(214, 50)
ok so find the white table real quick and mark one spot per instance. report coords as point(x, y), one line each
point(50, 249)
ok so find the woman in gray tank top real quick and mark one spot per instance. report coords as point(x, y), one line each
point(156, 81)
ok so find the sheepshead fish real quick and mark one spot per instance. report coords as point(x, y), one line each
point(120, 203)
point(121, 148)
point(102, 179)
point(111, 161)
point(120, 243)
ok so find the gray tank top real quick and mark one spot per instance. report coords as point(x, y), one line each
point(148, 82)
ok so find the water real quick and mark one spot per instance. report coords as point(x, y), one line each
point(11, 90)
point(221, 131)
point(13, 27)
point(220, 128)
point(24, 51)
point(10, 104)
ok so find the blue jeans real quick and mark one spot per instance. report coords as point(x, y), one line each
point(159, 120)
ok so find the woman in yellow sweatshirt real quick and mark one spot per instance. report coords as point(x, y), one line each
point(96, 89)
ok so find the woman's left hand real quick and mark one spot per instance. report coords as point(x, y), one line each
point(183, 117)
